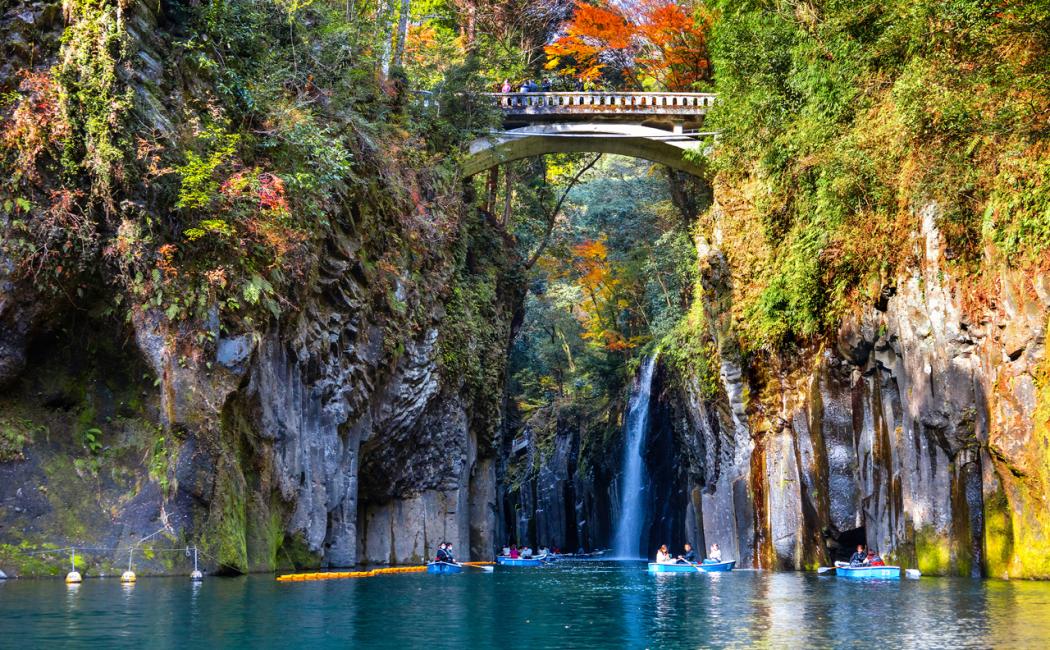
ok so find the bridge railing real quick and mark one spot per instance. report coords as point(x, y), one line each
point(601, 102)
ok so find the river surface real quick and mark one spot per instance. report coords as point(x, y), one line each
point(580, 605)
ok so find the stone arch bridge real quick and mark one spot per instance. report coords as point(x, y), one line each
point(659, 127)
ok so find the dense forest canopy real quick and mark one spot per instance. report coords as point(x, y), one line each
point(833, 118)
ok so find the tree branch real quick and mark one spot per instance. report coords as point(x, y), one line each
point(553, 215)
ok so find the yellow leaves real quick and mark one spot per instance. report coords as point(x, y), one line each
point(591, 261)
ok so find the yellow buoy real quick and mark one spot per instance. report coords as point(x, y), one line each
point(127, 577)
point(73, 577)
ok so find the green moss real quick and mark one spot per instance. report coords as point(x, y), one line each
point(998, 535)
point(225, 536)
point(933, 554)
point(294, 553)
point(15, 434)
point(73, 495)
point(1018, 520)
point(26, 559)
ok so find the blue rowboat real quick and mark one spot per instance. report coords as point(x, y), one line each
point(503, 560)
point(443, 567)
point(869, 572)
point(710, 567)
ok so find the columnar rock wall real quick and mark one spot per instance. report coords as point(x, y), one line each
point(922, 423)
point(333, 434)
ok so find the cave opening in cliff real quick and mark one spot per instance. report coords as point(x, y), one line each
point(842, 544)
point(608, 246)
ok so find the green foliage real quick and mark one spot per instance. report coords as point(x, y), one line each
point(15, 434)
point(690, 351)
point(199, 180)
point(159, 460)
point(95, 99)
point(841, 118)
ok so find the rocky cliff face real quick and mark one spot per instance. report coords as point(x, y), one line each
point(358, 427)
point(311, 443)
point(921, 430)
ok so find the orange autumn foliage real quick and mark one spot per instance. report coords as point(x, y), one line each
point(651, 41)
point(597, 314)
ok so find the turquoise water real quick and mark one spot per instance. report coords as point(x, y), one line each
point(582, 605)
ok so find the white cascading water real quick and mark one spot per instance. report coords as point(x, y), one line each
point(627, 540)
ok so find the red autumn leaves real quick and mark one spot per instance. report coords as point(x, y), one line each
point(644, 44)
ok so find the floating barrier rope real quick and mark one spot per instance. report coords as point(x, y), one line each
point(74, 577)
point(339, 575)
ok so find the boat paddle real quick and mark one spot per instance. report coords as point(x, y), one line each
point(824, 570)
point(692, 564)
point(484, 569)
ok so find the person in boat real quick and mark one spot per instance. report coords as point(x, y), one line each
point(662, 556)
point(505, 552)
point(442, 555)
point(690, 555)
point(448, 553)
point(526, 552)
point(860, 558)
point(874, 559)
point(714, 555)
point(514, 553)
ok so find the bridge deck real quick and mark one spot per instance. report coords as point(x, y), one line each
point(590, 104)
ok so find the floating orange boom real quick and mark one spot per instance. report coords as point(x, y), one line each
point(338, 575)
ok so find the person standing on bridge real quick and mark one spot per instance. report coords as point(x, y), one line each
point(546, 86)
point(506, 87)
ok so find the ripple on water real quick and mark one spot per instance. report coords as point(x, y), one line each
point(572, 604)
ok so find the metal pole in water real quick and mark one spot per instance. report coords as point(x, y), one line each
point(196, 576)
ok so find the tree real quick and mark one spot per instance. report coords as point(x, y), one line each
point(647, 43)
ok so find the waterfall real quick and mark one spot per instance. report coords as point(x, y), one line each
point(627, 540)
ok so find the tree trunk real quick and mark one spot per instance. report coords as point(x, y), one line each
point(507, 199)
point(470, 28)
point(402, 32)
point(383, 10)
point(491, 189)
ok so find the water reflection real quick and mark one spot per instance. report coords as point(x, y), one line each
point(582, 605)
point(635, 607)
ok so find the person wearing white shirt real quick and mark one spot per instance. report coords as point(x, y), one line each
point(715, 553)
point(662, 556)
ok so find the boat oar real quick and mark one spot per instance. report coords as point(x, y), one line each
point(824, 570)
point(692, 564)
point(483, 569)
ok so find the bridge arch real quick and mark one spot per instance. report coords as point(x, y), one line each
point(659, 127)
point(650, 143)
